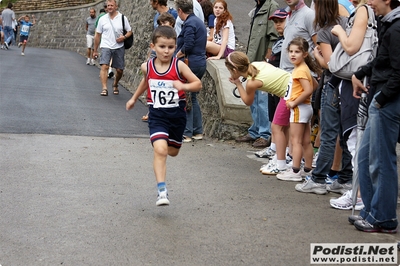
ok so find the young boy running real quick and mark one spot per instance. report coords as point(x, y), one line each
point(24, 32)
point(166, 79)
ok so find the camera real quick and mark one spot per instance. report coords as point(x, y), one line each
point(235, 91)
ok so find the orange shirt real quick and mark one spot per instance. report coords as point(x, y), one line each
point(300, 72)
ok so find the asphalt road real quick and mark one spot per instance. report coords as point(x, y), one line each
point(77, 185)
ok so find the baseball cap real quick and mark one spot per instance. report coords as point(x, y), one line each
point(279, 13)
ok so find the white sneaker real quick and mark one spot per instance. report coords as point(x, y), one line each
point(187, 139)
point(6, 45)
point(345, 202)
point(92, 62)
point(88, 61)
point(2, 47)
point(22, 54)
point(271, 164)
point(162, 199)
point(309, 186)
point(289, 175)
point(289, 159)
point(265, 153)
point(197, 136)
point(19, 45)
point(110, 74)
point(273, 171)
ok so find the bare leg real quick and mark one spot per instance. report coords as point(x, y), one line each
point(103, 78)
point(280, 135)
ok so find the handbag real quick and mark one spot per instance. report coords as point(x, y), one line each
point(128, 41)
point(343, 65)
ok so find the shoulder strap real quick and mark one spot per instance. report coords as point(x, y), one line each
point(123, 22)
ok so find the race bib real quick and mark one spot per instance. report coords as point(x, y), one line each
point(288, 90)
point(163, 94)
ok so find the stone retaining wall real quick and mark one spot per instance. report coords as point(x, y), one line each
point(49, 4)
point(64, 28)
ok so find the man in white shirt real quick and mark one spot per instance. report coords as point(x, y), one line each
point(110, 32)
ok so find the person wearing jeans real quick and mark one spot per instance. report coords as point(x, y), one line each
point(191, 47)
point(261, 127)
point(377, 164)
point(377, 154)
point(8, 16)
point(194, 121)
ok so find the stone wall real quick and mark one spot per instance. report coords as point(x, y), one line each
point(64, 28)
point(49, 4)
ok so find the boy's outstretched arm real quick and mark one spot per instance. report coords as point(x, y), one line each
point(193, 83)
point(140, 90)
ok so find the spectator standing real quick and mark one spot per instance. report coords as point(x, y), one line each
point(377, 154)
point(8, 16)
point(300, 23)
point(191, 46)
point(90, 31)
point(25, 30)
point(348, 108)
point(280, 122)
point(301, 111)
point(262, 36)
point(327, 15)
point(223, 42)
point(110, 32)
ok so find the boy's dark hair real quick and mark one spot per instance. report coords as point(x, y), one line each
point(163, 31)
point(166, 17)
point(10, 5)
point(102, 11)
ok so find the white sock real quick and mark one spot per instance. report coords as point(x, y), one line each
point(273, 146)
point(281, 164)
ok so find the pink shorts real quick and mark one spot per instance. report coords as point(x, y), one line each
point(282, 114)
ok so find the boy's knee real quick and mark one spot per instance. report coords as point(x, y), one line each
point(173, 151)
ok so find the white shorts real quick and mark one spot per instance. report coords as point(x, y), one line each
point(89, 41)
point(301, 113)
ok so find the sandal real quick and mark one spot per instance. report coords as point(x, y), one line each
point(115, 89)
point(104, 92)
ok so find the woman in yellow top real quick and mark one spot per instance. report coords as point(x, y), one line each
point(264, 77)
